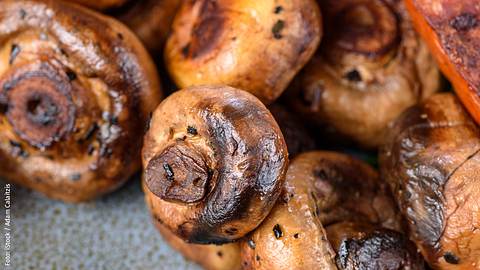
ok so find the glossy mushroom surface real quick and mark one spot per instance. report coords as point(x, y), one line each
point(257, 46)
point(210, 257)
point(432, 163)
point(150, 20)
point(214, 163)
point(370, 67)
point(451, 28)
point(347, 198)
point(73, 104)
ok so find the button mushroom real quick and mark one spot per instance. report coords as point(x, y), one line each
point(451, 28)
point(252, 45)
point(214, 162)
point(72, 103)
point(371, 66)
point(344, 195)
point(432, 163)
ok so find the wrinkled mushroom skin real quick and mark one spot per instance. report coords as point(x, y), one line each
point(357, 243)
point(214, 163)
point(257, 46)
point(370, 67)
point(451, 28)
point(210, 257)
point(297, 136)
point(432, 162)
point(75, 91)
point(150, 20)
point(330, 189)
point(100, 4)
point(292, 236)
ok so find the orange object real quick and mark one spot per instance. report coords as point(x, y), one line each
point(451, 29)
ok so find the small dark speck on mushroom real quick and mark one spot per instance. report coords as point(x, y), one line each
point(295, 235)
point(257, 258)
point(23, 14)
point(464, 22)
point(219, 253)
point(451, 258)
point(14, 53)
point(191, 130)
point(75, 177)
point(353, 76)
point(186, 50)
point(71, 75)
point(120, 36)
point(277, 231)
point(277, 28)
point(278, 9)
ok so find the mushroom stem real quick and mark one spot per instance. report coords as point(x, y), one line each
point(179, 174)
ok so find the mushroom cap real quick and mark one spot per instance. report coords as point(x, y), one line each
point(214, 162)
point(370, 67)
point(73, 104)
point(432, 163)
point(211, 43)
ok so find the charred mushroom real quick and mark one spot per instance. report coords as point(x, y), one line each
point(451, 28)
point(100, 4)
point(297, 136)
point(214, 161)
point(150, 20)
point(333, 190)
point(210, 257)
point(371, 66)
point(255, 46)
point(432, 163)
point(72, 103)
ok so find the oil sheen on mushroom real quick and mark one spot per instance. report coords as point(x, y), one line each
point(451, 28)
point(73, 99)
point(370, 67)
point(432, 163)
point(257, 46)
point(214, 161)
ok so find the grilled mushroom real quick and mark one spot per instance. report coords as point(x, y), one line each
point(345, 196)
point(252, 45)
point(72, 103)
point(214, 162)
point(432, 163)
point(210, 257)
point(371, 66)
point(451, 28)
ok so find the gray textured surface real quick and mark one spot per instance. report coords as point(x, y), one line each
point(114, 232)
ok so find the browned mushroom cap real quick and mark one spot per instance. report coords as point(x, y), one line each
point(210, 257)
point(330, 189)
point(257, 46)
point(150, 20)
point(72, 103)
point(432, 162)
point(100, 4)
point(363, 246)
point(214, 162)
point(297, 136)
point(371, 66)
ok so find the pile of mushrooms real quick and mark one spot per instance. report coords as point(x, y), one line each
point(248, 164)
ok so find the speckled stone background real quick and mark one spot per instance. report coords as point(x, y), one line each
point(114, 232)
